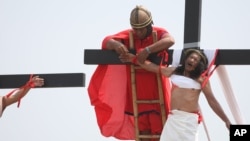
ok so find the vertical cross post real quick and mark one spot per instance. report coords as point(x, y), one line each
point(192, 24)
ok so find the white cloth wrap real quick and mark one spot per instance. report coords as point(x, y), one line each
point(180, 126)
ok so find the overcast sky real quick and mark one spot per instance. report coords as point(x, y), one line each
point(49, 36)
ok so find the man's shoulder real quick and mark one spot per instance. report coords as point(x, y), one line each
point(159, 28)
point(125, 31)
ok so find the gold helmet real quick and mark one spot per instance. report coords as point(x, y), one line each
point(140, 17)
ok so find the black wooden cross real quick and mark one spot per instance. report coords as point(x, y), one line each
point(51, 80)
point(191, 39)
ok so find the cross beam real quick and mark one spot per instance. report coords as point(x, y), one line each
point(51, 80)
point(191, 40)
point(225, 57)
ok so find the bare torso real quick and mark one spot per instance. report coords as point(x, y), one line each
point(185, 99)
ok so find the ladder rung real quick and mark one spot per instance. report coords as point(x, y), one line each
point(149, 136)
point(148, 101)
point(159, 101)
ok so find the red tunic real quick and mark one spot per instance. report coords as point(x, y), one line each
point(110, 91)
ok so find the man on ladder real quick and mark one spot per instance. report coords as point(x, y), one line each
point(144, 102)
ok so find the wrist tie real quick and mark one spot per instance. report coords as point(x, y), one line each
point(29, 84)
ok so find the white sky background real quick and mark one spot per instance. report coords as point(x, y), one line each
point(49, 36)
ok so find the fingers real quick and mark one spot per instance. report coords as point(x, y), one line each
point(126, 57)
point(142, 56)
point(122, 49)
point(38, 81)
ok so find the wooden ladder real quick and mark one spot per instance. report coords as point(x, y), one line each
point(160, 101)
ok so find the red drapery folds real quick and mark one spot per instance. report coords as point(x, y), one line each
point(107, 92)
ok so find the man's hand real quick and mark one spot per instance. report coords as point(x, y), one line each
point(126, 57)
point(142, 55)
point(38, 82)
point(121, 49)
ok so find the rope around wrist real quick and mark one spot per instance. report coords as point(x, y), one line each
point(29, 84)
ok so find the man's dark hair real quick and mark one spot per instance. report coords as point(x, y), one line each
point(201, 67)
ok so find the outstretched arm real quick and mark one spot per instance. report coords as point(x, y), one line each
point(147, 65)
point(214, 104)
point(20, 93)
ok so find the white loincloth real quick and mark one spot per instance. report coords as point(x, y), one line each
point(180, 126)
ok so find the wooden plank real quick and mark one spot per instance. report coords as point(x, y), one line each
point(98, 56)
point(192, 22)
point(225, 57)
point(233, 57)
point(51, 80)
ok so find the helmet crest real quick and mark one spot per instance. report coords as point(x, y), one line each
point(140, 17)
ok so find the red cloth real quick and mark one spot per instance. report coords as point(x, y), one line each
point(110, 91)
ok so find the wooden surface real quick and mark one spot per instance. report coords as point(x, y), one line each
point(225, 57)
point(50, 80)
